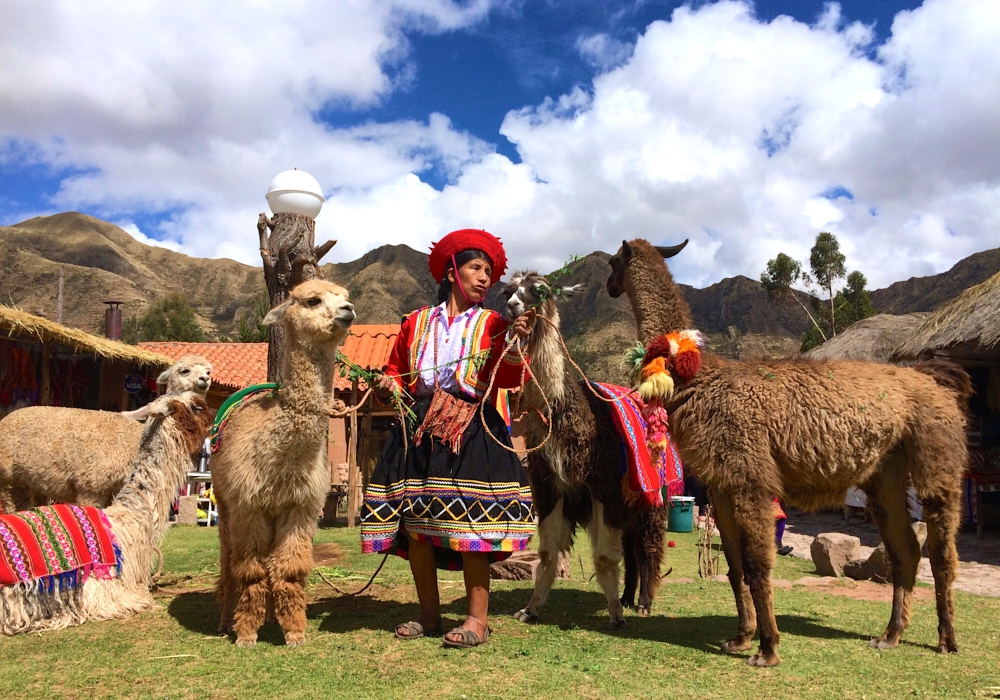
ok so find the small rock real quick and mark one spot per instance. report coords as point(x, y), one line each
point(522, 566)
point(877, 567)
point(783, 584)
point(720, 578)
point(680, 579)
point(832, 550)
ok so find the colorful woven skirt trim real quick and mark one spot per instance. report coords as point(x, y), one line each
point(476, 501)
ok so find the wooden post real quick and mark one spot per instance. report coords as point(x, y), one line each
point(290, 256)
point(353, 472)
point(364, 452)
point(45, 391)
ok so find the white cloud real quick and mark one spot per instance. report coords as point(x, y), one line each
point(714, 126)
point(131, 229)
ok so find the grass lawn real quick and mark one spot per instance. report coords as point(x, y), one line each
point(174, 652)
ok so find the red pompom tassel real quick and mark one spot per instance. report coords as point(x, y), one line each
point(659, 347)
point(687, 364)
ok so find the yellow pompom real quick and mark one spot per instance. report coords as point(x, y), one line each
point(657, 386)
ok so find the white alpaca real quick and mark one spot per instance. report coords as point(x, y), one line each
point(176, 429)
point(73, 455)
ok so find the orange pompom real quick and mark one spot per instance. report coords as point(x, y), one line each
point(657, 364)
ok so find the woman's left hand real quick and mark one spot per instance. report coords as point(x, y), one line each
point(523, 324)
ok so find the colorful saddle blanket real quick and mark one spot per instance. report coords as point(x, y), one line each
point(230, 404)
point(642, 481)
point(58, 547)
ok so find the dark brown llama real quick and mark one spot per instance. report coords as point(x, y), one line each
point(806, 431)
point(575, 479)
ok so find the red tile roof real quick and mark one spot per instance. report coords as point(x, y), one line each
point(237, 365)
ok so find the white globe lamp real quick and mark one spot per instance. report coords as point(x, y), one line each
point(295, 192)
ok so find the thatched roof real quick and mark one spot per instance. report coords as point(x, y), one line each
point(972, 319)
point(872, 339)
point(14, 321)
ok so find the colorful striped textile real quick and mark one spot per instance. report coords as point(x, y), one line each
point(641, 481)
point(237, 399)
point(57, 547)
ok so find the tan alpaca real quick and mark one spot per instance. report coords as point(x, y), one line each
point(178, 425)
point(73, 455)
point(806, 431)
point(270, 475)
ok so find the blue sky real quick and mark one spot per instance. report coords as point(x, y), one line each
point(563, 126)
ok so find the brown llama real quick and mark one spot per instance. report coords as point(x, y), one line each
point(806, 431)
point(575, 479)
point(270, 475)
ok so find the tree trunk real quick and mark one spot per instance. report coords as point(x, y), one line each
point(287, 247)
point(833, 316)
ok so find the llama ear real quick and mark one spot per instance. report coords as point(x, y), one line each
point(276, 314)
point(626, 251)
point(164, 376)
point(159, 407)
point(669, 251)
point(570, 291)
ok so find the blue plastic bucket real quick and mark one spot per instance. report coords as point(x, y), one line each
point(680, 514)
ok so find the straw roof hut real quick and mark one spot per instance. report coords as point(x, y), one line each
point(14, 322)
point(965, 328)
point(872, 339)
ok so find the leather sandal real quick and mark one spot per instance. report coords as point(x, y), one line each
point(414, 630)
point(469, 638)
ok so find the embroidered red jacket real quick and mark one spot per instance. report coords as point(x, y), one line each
point(487, 337)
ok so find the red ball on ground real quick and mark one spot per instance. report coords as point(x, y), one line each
point(670, 543)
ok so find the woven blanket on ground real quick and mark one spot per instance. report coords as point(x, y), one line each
point(57, 546)
point(641, 480)
point(227, 407)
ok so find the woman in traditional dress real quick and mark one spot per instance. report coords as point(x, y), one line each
point(448, 491)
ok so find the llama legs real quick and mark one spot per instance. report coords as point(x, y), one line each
point(553, 537)
point(288, 567)
point(632, 557)
point(248, 555)
point(732, 547)
point(755, 523)
point(942, 525)
point(606, 543)
point(650, 556)
point(224, 594)
point(887, 504)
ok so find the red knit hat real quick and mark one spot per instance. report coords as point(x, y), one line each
point(467, 239)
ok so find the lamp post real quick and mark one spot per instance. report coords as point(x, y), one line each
point(288, 247)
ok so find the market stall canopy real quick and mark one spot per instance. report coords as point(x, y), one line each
point(967, 327)
point(16, 322)
point(872, 339)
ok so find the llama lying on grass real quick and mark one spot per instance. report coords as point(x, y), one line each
point(73, 455)
point(806, 431)
point(72, 563)
point(270, 474)
point(575, 478)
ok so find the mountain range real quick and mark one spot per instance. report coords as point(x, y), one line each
point(100, 261)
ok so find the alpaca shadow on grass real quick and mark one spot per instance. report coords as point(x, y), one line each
point(575, 609)
point(197, 612)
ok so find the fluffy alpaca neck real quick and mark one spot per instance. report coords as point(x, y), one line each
point(546, 357)
point(308, 371)
point(157, 473)
point(656, 301)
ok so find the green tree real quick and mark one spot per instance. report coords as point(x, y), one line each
point(851, 305)
point(827, 264)
point(249, 329)
point(781, 273)
point(170, 318)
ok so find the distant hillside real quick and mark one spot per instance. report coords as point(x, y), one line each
point(102, 261)
point(928, 293)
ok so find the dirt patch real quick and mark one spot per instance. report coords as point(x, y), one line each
point(327, 554)
point(869, 590)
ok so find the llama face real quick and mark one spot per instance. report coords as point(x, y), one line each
point(527, 290)
point(190, 373)
point(317, 312)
